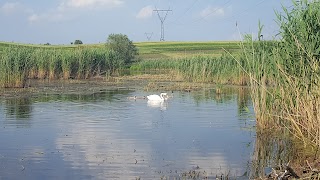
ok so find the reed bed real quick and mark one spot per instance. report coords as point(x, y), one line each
point(14, 65)
point(17, 64)
point(293, 66)
point(200, 68)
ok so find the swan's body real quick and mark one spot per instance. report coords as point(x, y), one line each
point(155, 97)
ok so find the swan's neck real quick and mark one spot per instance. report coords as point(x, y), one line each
point(161, 96)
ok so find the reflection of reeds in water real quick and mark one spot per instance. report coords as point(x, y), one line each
point(243, 97)
point(267, 153)
point(18, 108)
point(273, 151)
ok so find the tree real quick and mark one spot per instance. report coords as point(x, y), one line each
point(77, 42)
point(123, 46)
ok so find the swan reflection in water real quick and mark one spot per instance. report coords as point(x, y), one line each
point(163, 105)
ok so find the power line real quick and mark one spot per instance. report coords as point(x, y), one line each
point(162, 19)
point(215, 10)
point(201, 18)
point(188, 9)
point(243, 12)
point(229, 19)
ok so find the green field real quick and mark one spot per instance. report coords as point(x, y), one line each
point(158, 50)
point(165, 50)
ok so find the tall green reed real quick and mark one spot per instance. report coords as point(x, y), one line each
point(14, 67)
point(20, 63)
point(291, 65)
point(199, 68)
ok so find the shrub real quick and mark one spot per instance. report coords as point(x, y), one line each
point(123, 46)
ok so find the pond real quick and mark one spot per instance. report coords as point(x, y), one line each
point(105, 135)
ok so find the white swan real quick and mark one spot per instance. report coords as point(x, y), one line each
point(155, 97)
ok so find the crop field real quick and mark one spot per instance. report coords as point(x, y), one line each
point(165, 50)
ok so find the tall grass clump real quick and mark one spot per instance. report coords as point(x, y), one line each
point(67, 62)
point(299, 66)
point(293, 66)
point(17, 64)
point(14, 67)
point(257, 63)
point(210, 69)
point(200, 68)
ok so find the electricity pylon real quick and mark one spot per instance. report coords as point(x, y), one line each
point(162, 19)
point(148, 35)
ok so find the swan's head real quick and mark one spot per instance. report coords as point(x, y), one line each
point(164, 95)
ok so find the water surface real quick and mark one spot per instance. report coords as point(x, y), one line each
point(104, 135)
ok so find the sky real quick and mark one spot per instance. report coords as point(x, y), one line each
point(91, 21)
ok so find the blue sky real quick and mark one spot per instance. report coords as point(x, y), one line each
point(63, 21)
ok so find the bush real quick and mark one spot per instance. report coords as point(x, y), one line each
point(78, 42)
point(123, 46)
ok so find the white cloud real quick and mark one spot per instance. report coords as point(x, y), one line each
point(52, 17)
point(13, 7)
point(89, 4)
point(33, 18)
point(8, 8)
point(212, 12)
point(145, 12)
point(69, 9)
